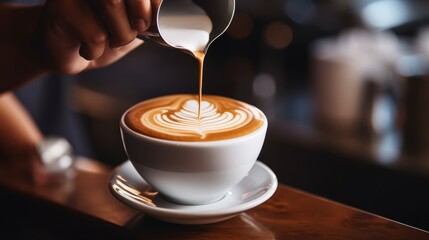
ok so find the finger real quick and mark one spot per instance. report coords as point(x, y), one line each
point(91, 32)
point(61, 44)
point(111, 55)
point(140, 14)
point(114, 16)
point(62, 50)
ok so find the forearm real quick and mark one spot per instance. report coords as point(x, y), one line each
point(20, 60)
point(19, 134)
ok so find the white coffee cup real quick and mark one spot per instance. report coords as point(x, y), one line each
point(192, 173)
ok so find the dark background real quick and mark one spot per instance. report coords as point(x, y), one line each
point(265, 59)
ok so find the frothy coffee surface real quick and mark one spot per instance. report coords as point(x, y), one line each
point(175, 117)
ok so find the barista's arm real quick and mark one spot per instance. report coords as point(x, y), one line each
point(19, 60)
point(19, 138)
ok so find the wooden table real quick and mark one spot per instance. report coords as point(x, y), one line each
point(84, 207)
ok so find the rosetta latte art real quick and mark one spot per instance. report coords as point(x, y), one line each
point(176, 118)
point(185, 122)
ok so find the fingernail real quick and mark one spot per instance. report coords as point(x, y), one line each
point(140, 25)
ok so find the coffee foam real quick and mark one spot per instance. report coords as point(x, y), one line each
point(175, 117)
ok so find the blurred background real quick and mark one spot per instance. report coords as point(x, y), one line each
point(345, 85)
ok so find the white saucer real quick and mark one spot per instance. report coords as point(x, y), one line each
point(128, 187)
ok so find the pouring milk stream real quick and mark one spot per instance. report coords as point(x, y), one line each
point(191, 26)
point(189, 29)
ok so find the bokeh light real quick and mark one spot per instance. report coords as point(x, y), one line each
point(278, 35)
point(264, 85)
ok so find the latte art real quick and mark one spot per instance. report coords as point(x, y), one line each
point(176, 118)
point(185, 122)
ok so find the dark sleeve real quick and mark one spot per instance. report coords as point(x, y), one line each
point(23, 1)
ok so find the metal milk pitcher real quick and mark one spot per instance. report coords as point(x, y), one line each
point(220, 12)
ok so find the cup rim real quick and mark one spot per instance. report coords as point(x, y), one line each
point(261, 129)
point(124, 127)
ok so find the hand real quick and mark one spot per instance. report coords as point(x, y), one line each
point(76, 35)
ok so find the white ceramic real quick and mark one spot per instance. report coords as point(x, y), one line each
point(128, 187)
point(192, 172)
